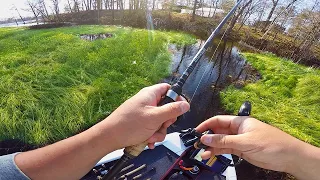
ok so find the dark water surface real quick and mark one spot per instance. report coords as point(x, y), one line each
point(92, 37)
point(216, 70)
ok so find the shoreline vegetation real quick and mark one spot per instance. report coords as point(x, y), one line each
point(275, 41)
point(287, 96)
point(54, 84)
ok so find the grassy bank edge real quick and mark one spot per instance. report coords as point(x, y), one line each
point(287, 96)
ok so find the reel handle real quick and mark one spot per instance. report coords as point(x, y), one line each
point(245, 110)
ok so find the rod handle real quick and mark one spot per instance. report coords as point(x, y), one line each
point(135, 150)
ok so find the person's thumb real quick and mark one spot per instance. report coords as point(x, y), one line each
point(171, 110)
point(221, 141)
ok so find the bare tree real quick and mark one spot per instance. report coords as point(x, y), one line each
point(284, 18)
point(42, 9)
point(99, 7)
point(273, 8)
point(211, 4)
point(69, 6)
point(260, 13)
point(112, 8)
point(131, 5)
point(56, 9)
point(106, 4)
point(76, 4)
point(236, 16)
point(214, 3)
point(89, 2)
point(85, 5)
point(248, 12)
point(306, 28)
point(194, 10)
point(16, 9)
point(33, 9)
point(153, 4)
point(227, 5)
point(278, 15)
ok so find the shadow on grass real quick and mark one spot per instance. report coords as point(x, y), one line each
point(12, 146)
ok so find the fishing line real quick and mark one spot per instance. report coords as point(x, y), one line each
point(208, 65)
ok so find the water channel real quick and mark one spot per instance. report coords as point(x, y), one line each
point(218, 68)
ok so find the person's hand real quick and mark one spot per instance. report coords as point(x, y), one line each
point(135, 121)
point(139, 119)
point(252, 140)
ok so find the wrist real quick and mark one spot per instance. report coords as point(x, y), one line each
point(296, 153)
point(105, 137)
point(304, 159)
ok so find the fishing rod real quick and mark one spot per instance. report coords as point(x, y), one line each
point(171, 96)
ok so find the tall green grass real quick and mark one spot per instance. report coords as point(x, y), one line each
point(287, 96)
point(54, 84)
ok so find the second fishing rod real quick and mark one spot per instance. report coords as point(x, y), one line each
point(171, 96)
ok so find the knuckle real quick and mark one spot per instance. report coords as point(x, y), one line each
point(173, 108)
point(221, 140)
point(176, 109)
point(161, 138)
point(148, 115)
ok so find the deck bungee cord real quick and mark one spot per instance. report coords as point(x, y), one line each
point(171, 96)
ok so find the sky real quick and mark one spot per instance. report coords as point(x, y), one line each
point(6, 10)
point(5, 7)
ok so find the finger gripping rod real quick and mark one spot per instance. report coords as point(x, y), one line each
point(132, 151)
point(135, 150)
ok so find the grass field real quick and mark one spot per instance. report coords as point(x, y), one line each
point(287, 96)
point(54, 84)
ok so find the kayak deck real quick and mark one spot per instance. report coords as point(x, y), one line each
point(156, 162)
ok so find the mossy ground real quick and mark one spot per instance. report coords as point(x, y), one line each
point(54, 84)
point(287, 96)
